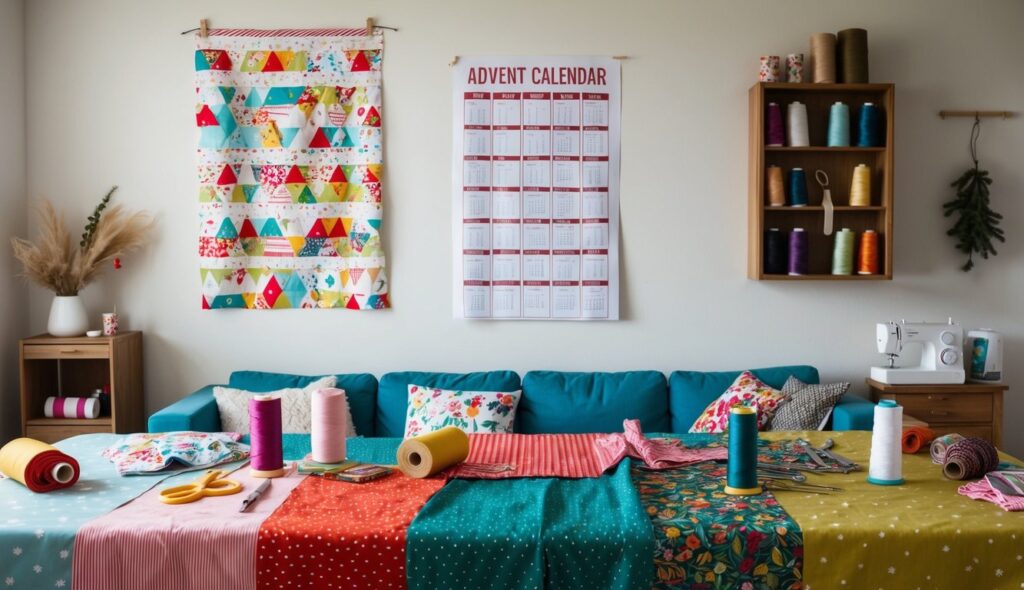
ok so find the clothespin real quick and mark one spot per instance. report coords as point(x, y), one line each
point(369, 27)
point(204, 27)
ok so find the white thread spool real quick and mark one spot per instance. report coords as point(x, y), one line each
point(329, 425)
point(796, 122)
point(886, 465)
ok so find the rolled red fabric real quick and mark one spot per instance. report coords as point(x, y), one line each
point(38, 466)
point(916, 438)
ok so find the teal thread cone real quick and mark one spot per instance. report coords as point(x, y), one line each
point(741, 474)
point(839, 125)
point(869, 132)
point(842, 254)
point(797, 188)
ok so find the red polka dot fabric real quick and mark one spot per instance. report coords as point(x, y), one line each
point(332, 534)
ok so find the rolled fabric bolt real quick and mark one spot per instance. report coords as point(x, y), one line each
point(428, 454)
point(38, 466)
point(940, 445)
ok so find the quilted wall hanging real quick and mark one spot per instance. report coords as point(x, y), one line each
point(290, 169)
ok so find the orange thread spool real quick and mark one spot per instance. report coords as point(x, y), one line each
point(867, 259)
point(776, 188)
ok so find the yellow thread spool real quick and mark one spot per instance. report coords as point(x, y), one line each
point(860, 187)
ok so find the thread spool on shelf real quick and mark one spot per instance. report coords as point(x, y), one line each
point(852, 56)
point(799, 252)
point(776, 187)
point(797, 188)
point(839, 125)
point(741, 474)
point(869, 122)
point(776, 252)
point(842, 253)
point(776, 136)
point(885, 467)
point(266, 453)
point(823, 58)
point(860, 186)
point(867, 253)
point(796, 120)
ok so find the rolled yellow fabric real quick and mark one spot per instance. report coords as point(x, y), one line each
point(37, 465)
point(428, 454)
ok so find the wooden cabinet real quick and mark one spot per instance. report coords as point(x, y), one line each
point(75, 367)
point(837, 162)
point(970, 409)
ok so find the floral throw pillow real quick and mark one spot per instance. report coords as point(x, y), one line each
point(432, 409)
point(746, 390)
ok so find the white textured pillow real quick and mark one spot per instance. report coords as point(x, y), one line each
point(233, 405)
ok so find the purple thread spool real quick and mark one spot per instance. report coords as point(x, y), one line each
point(798, 252)
point(267, 446)
point(776, 133)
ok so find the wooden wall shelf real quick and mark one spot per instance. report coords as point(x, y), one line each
point(838, 162)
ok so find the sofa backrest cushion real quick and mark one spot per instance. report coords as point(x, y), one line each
point(360, 389)
point(393, 395)
point(555, 401)
point(690, 392)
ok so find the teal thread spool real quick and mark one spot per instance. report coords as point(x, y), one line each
point(797, 188)
point(741, 475)
point(839, 125)
point(869, 132)
point(842, 254)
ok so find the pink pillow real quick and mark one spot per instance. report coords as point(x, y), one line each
point(746, 390)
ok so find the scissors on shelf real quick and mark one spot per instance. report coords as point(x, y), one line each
point(212, 483)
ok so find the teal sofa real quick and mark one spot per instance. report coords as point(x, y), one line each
point(552, 401)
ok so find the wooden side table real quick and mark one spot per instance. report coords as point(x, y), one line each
point(970, 409)
point(75, 367)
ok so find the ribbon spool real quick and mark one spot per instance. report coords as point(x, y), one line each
point(741, 475)
point(940, 445)
point(867, 253)
point(869, 126)
point(776, 256)
point(71, 407)
point(795, 68)
point(839, 125)
point(970, 458)
point(776, 131)
point(823, 58)
point(860, 186)
point(796, 118)
point(852, 53)
point(842, 253)
point(776, 188)
point(431, 453)
point(916, 438)
point(265, 440)
point(770, 69)
point(799, 252)
point(329, 425)
point(38, 466)
point(886, 464)
point(797, 188)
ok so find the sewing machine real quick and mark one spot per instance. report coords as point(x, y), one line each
point(941, 347)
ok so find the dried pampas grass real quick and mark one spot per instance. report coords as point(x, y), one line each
point(54, 262)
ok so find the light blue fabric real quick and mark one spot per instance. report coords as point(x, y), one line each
point(360, 390)
point(853, 413)
point(37, 531)
point(393, 394)
point(556, 401)
point(197, 411)
point(691, 391)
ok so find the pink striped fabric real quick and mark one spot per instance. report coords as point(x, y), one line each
point(349, 32)
point(530, 455)
point(149, 545)
point(983, 490)
point(655, 453)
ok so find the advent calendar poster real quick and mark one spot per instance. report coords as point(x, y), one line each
point(535, 181)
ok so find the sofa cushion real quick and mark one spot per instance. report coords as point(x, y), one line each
point(360, 389)
point(691, 391)
point(555, 401)
point(393, 394)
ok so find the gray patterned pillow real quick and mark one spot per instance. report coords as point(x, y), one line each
point(808, 406)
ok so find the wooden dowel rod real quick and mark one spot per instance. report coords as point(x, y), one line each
point(972, 114)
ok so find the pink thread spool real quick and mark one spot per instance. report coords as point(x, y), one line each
point(329, 426)
point(266, 454)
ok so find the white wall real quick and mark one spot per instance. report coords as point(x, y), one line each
point(13, 319)
point(111, 101)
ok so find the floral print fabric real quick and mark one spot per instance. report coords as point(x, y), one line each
point(148, 453)
point(748, 391)
point(707, 539)
point(432, 409)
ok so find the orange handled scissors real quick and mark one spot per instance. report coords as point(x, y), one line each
point(210, 484)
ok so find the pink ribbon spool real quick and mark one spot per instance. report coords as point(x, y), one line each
point(329, 426)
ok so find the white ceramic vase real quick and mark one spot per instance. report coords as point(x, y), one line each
point(67, 316)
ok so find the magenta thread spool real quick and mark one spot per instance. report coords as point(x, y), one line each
point(266, 453)
point(799, 254)
point(776, 132)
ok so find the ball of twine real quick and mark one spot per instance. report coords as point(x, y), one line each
point(970, 458)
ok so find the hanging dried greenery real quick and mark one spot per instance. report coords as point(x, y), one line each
point(977, 225)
